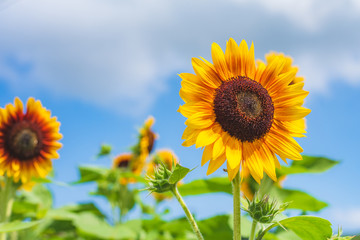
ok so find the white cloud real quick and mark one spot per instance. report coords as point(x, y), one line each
point(119, 54)
point(347, 218)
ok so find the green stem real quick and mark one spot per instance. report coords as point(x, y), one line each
point(237, 211)
point(253, 228)
point(188, 213)
point(7, 195)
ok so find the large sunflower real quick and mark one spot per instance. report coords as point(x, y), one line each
point(28, 141)
point(243, 112)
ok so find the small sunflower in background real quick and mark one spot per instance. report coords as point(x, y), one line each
point(243, 112)
point(146, 142)
point(147, 136)
point(169, 159)
point(28, 141)
point(125, 162)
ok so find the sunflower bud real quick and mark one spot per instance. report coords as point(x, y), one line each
point(164, 179)
point(264, 210)
point(160, 182)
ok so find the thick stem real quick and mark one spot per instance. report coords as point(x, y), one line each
point(188, 213)
point(237, 211)
point(253, 228)
point(6, 201)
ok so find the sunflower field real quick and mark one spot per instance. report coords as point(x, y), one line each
point(243, 115)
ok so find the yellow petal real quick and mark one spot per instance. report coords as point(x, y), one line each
point(219, 148)
point(291, 113)
point(283, 145)
point(232, 57)
point(200, 120)
point(208, 136)
point(207, 154)
point(243, 57)
point(250, 65)
point(220, 62)
point(232, 172)
point(234, 153)
point(207, 74)
point(215, 164)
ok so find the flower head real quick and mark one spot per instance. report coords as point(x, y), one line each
point(146, 142)
point(28, 141)
point(126, 162)
point(243, 113)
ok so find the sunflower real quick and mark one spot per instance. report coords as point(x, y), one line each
point(28, 141)
point(169, 158)
point(147, 136)
point(126, 162)
point(242, 112)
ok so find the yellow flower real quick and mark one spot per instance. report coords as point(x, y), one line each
point(147, 136)
point(168, 157)
point(28, 141)
point(126, 162)
point(243, 113)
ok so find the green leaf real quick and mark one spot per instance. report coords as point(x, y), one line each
point(89, 225)
point(16, 226)
point(90, 174)
point(309, 164)
point(105, 150)
point(202, 186)
point(84, 207)
point(298, 199)
point(179, 173)
point(305, 227)
point(217, 227)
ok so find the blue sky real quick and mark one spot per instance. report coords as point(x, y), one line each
point(103, 66)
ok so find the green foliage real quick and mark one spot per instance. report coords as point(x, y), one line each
point(297, 199)
point(120, 188)
point(90, 174)
point(204, 186)
point(17, 226)
point(309, 164)
point(305, 227)
point(105, 150)
point(178, 174)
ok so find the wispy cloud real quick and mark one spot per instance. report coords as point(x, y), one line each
point(119, 54)
point(347, 218)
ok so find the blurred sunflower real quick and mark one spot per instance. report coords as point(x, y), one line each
point(243, 112)
point(126, 162)
point(28, 141)
point(146, 142)
point(169, 158)
point(147, 136)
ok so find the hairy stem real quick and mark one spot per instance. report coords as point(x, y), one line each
point(7, 194)
point(253, 228)
point(188, 213)
point(237, 211)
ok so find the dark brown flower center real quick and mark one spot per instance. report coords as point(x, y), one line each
point(243, 108)
point(151, 138)
point(123, 164)
point(24, 141)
